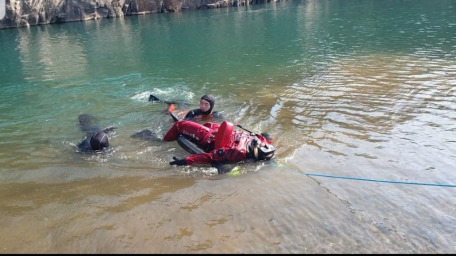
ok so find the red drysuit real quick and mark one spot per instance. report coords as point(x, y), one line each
point(226, 145)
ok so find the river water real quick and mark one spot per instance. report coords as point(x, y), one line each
point(360, 93)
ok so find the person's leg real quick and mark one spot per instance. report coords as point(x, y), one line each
point(194, 132)
point(86, 122)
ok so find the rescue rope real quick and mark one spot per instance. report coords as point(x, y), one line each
point(374, 180)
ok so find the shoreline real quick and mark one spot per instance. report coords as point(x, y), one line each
point(25, 14)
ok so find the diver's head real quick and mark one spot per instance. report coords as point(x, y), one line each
point(207, 103)
point(99, 141)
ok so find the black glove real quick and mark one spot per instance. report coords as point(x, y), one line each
point(178, 162)
point(266, 136)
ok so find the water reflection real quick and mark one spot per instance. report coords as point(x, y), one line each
point(369, 95)
point(44, 55)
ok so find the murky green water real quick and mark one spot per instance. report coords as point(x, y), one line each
point(362, 89)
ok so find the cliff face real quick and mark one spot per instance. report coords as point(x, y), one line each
point(20, 13)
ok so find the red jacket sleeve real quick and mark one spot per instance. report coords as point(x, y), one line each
point(203, 158)
point(218, 155)
point(207, 158)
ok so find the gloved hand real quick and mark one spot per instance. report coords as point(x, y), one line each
point(178, 162)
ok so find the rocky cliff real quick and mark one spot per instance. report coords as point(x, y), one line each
point(20, 13)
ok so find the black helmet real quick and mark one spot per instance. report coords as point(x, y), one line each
point(99, 141)
point(265, 151)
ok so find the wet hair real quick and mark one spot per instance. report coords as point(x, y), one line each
point(99, 141)
point(209, 98)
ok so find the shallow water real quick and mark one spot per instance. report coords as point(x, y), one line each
point(359, 89)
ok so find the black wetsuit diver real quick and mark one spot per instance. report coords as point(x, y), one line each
point(204, 112)
point(95, 140)
point(207, 103)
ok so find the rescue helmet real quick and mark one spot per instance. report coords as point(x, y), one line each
point(265, 151)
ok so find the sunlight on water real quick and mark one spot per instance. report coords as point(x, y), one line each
point(362, 89)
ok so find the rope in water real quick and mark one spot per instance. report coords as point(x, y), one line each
point(387, 181)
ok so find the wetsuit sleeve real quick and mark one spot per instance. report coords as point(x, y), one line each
point(192, 113)
point(218, 115)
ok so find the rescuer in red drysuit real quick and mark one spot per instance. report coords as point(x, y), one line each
point(220, 142)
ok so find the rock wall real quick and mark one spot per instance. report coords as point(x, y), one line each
point(21, 13)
